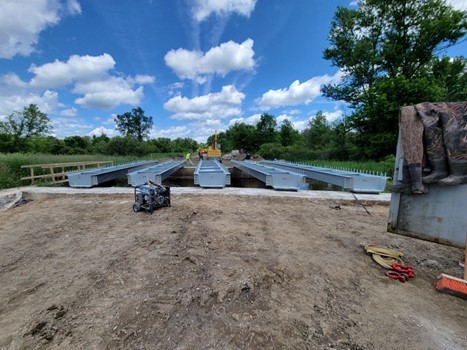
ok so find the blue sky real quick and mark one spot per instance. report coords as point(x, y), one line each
point(195, 66)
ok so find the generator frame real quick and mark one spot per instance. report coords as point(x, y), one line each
point(150, 197)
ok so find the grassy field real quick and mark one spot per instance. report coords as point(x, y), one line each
point(11, 171)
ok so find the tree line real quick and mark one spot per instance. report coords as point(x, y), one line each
point(27, 131)
point(390, 55)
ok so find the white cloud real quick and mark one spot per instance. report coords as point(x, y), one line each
point(204, 8)
point(77, 68)
point(65, 126)
point(11, 80)
point(101, 131)
point(70, 112)
point(47, 102)
point(223, 104)
point(73, 7)
point(252, 120)
point(91, 77)
point(293, 111)
point(220, 60)
point(144, 79)
point(107, 94)
point(458, 4)
point(297, 93)
point(21, 23)
point(333, 116)
point(354, 3)
point(172, 132)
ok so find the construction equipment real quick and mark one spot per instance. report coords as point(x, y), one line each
point(214, 151)
point(150, 196)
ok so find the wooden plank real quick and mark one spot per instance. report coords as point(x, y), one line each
point(66, 164)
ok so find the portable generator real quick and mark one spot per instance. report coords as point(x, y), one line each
point(149, 197)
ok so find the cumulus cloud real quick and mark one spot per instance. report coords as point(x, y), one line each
point(297, 93)
point(204, 8)
point(47, 102)
point(252, 120)
point(144, 79)
point(223, 104)
point(66, 126)
point(91, 77)
point(77, 68)
point(107, 94)
point(220, 60)
point(69, 112)
point(103, 131)
point(333, 116)
point(20, 24)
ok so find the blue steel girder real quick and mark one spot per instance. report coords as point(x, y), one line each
point(278, 179)
point(156, 173)
point(94, 177)
point(349, 180)
point(211, 173)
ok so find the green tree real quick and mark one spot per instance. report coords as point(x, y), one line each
point(287, 134)
point(163, 144)
point(134, 123)
point(242, 136)
point(266, 130)
point(318, 133)
point(29, 123)
point(124, 146)
point(184, 144)
point(387, 53)
point(77, 144)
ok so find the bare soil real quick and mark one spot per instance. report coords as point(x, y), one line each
point(217, 272)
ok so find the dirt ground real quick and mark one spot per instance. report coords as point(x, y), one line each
point(217, 272)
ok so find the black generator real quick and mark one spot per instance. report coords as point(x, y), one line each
point(150, 197)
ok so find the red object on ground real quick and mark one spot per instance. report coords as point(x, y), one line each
point(401, 268)
point(402, 277)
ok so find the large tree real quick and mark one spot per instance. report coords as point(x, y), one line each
point(288, 135)
point(22, 126)
point(317, 135)
point(134, 123)
point(266, 129)
point(387, 52)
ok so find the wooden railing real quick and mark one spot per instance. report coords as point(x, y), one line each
point(57, 172)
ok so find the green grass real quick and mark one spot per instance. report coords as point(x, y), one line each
point(377, 168)
point(11, 171)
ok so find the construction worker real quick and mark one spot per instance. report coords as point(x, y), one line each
point(200, 153)
point(188, 159)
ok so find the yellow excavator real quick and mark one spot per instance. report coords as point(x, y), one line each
point(214, 151)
